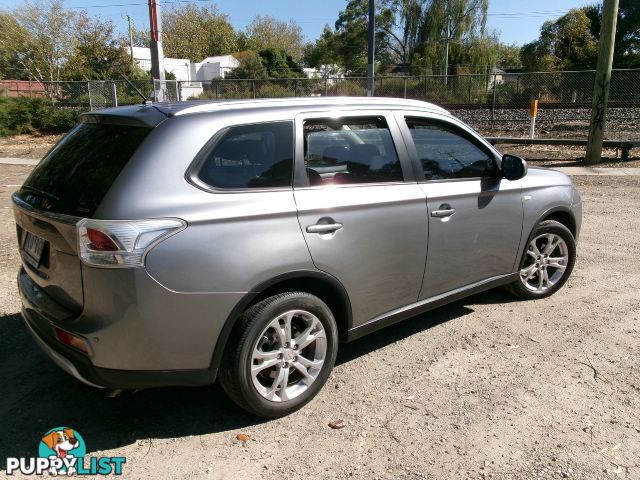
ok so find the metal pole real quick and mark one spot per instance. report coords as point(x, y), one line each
point(603, 79)
point(371, 47)
point(130, 37)
point(446, 51)
point(114, 94)
point(493, 104)
point(157, 57)
point(405, 87)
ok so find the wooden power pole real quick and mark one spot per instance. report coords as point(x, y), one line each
point(126, 15)
point(157, 56)
point(603, 79)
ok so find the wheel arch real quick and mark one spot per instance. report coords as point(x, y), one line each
point(561, 215)
point(324, 286)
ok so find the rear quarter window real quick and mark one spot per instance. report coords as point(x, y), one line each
point(77, 173)
point(249, 156)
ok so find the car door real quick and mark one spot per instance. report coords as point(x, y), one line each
point(475, 216)
point(360, 208)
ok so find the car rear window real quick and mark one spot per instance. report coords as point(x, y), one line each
point(77, 173)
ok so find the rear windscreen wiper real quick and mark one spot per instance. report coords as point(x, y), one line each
point(50, 196)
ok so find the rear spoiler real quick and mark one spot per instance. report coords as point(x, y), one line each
point(134, 115)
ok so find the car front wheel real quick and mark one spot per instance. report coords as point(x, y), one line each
point(280, 354)
point(547, 261)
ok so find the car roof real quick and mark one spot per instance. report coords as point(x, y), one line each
point(152, 114)
point(296, 104)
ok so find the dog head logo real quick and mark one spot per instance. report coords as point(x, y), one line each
point(64, 447)
point(61, 441)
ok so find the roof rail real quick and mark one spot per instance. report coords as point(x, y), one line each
point(219, 105)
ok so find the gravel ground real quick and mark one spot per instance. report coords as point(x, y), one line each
point(622, 123)
point(487, 387)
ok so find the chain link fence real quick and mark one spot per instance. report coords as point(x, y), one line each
point(495, 103)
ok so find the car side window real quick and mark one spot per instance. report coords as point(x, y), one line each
point(350, 150)
point(251, 156)
point(445, 154)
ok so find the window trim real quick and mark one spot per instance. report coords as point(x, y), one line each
point(300, 177)
point(449, 124)
point(192, 173)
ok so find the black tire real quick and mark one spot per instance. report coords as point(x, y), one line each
point(235, 376)
point(546, 227)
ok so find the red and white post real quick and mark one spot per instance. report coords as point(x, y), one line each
point(534, 114)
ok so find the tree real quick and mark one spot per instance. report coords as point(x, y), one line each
point(324, 51)
point(49, 40)
point(251, 66)
point(461, 25)
point(98, 54)
point(197, 32)
point(627, 45)
point(279, 64)
point(508, 55)
point(13, 39)
point(405, 18)
point(564, 44)
point(141, 37)
point(269, 63)
point(266, 32)
point(352, 27)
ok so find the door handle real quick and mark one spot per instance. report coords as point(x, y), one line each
point(324, 228)
point(443, 213)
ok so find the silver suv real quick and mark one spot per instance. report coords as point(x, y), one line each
point(177, 244)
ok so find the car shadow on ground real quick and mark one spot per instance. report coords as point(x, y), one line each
point(38, 396)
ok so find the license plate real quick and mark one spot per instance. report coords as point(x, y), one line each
point(33, 247)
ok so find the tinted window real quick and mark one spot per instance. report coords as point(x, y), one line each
point(446, 154)
point(350, 150)
point(251, 156)
point(76, 175)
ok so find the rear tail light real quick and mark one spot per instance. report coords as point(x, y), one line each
point(100, 241)
point(74, 341)
point(122, 243)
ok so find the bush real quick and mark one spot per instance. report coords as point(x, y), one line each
point(33, 115)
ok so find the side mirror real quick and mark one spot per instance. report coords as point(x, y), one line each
point(513, 168)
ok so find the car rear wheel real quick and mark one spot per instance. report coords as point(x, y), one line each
point(547, 261)
point(280, 354)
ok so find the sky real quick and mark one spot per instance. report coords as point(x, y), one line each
point(516, 21)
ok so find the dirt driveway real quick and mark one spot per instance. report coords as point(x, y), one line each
point(484, 388)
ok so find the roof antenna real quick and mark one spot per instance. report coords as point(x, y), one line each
point(145, 100)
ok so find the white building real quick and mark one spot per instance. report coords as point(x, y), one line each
point(213, 67)
point(185, 70)
point(191, 75)
point(180, 67)
point(331, 71)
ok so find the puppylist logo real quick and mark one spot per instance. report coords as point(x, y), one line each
point(62, 451)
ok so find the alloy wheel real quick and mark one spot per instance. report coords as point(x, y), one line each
point(288, 355)
point(545, 262)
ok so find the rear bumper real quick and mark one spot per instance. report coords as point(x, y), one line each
point(41, 313)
